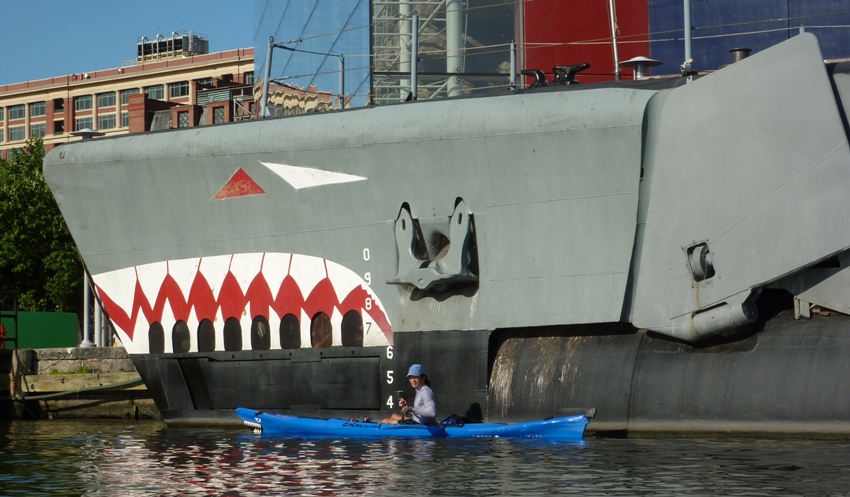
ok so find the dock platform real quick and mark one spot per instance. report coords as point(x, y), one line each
point(93, 382)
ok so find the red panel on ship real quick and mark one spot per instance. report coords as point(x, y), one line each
point(573, 21)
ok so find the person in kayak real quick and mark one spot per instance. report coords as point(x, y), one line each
point(424, 408)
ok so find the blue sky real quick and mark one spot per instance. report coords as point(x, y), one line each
point(46, 38)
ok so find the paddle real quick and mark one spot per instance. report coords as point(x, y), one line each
point(402, 398)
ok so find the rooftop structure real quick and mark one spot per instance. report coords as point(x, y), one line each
point(177, 45)
point(195, 89)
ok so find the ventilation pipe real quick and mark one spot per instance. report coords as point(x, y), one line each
point(640, 65)
point(739, 54)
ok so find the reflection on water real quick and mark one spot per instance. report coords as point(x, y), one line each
point(117, 458)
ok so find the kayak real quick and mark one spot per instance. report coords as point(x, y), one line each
point(566, 428)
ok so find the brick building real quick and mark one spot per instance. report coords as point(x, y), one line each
point(164, 88)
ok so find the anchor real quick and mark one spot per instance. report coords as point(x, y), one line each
point(450, 252)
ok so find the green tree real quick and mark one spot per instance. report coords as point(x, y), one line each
point(38, 258)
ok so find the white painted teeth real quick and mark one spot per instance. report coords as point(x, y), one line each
point(258, 428)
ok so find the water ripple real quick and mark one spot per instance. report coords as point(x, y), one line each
point(134, 459)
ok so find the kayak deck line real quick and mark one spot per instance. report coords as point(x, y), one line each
point(564, 428)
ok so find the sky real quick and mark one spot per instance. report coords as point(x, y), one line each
point(47, 38)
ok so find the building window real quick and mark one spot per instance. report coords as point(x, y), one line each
point(58, 105)
point(205, 82)
point(82, 123)
point(106, 121)
point(155, 92)
point(218, 115)
point(58, 127)
point(39, 130)
point(180, 89)
point(17, 133)
point(249, 78)
point(82, 103)
point(182, 119)
point(125, 119)
point(17, 112)
point(2, 133)
point(106, 100)
point(1, 113)
point(125, 95)
point(38, 109)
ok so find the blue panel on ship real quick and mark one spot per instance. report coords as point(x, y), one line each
point(721, 25)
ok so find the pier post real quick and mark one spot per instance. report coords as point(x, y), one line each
point(513, 67)
point(404, 56)
point(341, 96)
point(98, 324)
point(687, 66)
point(86, 311)
point(454, 47)
point(612, 15)
point(264, 110)
point(414, 55)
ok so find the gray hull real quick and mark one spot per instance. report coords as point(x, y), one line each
point(437, 229)
point(788, 379)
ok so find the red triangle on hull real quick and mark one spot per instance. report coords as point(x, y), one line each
point(239, 185)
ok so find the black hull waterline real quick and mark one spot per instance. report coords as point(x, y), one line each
point(773, 382)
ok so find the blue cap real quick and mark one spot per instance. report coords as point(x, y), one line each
point(416, 370)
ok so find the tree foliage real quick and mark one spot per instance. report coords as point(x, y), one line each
point(38, 258)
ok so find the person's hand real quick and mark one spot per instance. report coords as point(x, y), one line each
point(402, 403)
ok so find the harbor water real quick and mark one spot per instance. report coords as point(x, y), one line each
point(146, 458)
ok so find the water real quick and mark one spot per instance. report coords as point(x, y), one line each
point(145, 458)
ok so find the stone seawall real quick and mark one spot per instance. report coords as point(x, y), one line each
point(95, 382)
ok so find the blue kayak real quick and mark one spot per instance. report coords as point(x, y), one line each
point(567, 428)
